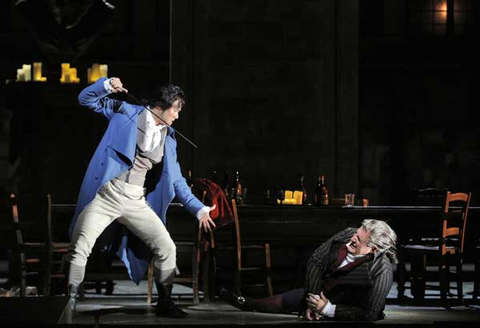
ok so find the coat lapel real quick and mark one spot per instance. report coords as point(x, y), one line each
point(358, 276)
point(124, 139)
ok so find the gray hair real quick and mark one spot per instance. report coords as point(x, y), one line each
point(382, 237)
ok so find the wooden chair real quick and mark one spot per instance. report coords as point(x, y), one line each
point(55, 255)
point(37, 259)
point(429, 196)
point(102, 270)
point(239, 251)
point(476, 281)
point(198, 247)
point(446, 249)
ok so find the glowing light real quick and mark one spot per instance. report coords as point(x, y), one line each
point(69, 74)
point(96, 71)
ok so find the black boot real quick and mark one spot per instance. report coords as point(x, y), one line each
point(272, 304)
point(232, 298)
point(72, 296)
point(165, 306)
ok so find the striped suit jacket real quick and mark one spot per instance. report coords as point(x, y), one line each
point(358, 295)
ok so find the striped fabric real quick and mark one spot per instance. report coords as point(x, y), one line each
point(360, 293)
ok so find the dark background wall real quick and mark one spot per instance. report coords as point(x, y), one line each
point(371, 93)
point(418, 66)
point(274, 90)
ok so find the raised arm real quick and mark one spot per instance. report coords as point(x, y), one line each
point(95, 96)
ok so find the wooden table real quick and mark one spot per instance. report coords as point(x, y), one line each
point(294, 231)
point(293, 225)
point(298, 225)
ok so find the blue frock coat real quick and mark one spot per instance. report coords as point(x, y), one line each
point(114, 155)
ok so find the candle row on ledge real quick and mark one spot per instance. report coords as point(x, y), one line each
point(24, 74)
point(69, 74)
point(292, 198)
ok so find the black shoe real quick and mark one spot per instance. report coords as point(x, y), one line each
point(165, 306)
point(231, 298)
point(169, 310)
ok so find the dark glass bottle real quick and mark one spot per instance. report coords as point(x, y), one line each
point(213, 176)
point(190, 179)
point(237, 189)
point(301, 187)
point(321, 192)
point(226, 184)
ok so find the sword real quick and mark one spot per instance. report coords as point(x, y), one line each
point(161, 119)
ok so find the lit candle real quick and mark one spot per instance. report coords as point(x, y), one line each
point(27, 70)
point(65, 70)
point(95, 74)
point(288, 194)
point(73, 75)
point(103, 70)
point(37, 71)
point(298, 197)
point(20, 75)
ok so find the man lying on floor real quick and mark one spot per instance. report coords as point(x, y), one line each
point(348, 278)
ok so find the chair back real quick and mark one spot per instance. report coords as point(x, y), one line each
point(236, 233)
point(15, 219)
point(49, 234)
point(429, 196)
point(454, 220)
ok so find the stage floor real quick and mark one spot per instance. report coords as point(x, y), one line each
point(128, 307)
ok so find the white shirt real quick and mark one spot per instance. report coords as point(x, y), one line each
point(149, 134)
point(151, 137)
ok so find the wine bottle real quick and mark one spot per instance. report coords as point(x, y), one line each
point(237, 189)
point(213, 176)
point(302, 188)
point(321, 192)
point(189, 179)
point(226, 184)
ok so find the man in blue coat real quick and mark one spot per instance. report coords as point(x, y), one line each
point(137, 150)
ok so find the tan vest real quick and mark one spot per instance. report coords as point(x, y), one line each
point(143, 162)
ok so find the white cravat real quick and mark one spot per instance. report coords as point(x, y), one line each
point(152, 137)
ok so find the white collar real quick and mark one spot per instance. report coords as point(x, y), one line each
point(150, 122)
point(351, 258)
point(150, 134)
